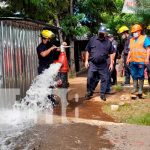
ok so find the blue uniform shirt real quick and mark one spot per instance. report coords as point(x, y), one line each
point(99, 51)
point(147, 42)
point(44, 61)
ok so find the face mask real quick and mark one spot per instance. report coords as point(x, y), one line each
point(135, 34)
point(123, 36)
point(101, 36)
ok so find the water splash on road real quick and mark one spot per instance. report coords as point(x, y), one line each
point(24, 114)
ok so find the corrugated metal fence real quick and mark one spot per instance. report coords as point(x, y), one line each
point(18, 57)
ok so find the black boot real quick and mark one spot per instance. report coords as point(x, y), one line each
point(88, 95)
point(135, 86)
point(141, 83)
point(53, 100)
point(103, 97)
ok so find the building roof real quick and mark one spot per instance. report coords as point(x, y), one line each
point(28, 22)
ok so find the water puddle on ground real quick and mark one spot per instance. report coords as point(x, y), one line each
point(14, 122)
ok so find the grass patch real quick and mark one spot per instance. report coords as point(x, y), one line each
point(118, 88)
point(135, 112)
point(148, 95)
point(140, 120)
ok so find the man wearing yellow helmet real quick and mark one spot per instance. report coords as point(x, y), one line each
point(138, 57)
point(44, 51)
point(124, 32)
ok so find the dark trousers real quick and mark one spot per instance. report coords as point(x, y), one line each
point(63, 76)
point(114, 76)
point(126, 70)
point(41, 68)
point(101, 73)
point(148, 72)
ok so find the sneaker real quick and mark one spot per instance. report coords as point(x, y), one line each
point(103, 97)
point(88, 95)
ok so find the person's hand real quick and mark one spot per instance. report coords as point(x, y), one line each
point(147, 61)
point(111, 67)
point(86, 64)
point(128, 61)
point(53, 48)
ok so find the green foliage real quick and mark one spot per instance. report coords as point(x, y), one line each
point(93, 10)
point(72, 27)
point(90, 13)
point(118, 18)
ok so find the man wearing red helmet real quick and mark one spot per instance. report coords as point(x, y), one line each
point(138, 57)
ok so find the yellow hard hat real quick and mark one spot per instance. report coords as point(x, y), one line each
point(148, 27)
point(47, 34)
point(136, 28)
point(123, 29)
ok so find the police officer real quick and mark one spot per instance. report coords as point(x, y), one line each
point(113, 73)
point(124, 32)
point(97, 51)
point(45, 50)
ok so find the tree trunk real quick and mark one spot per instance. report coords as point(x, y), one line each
point(59, 31)
point(71, 7)
point(72, 58)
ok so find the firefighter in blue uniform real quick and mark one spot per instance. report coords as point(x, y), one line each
point(44, 51)
point(97, 51)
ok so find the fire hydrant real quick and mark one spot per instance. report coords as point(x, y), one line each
point(63, 72)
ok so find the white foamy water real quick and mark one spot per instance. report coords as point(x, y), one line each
point(23, 115)
point(37, 96)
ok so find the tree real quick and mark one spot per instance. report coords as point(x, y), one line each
point(144, 10)
point(93, 10)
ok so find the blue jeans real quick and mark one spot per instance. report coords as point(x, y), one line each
point(137, 70)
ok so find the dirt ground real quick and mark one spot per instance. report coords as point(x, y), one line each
point(92, 109)
point(88, 109)
point(91, 129)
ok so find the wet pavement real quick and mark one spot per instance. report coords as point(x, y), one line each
point(81, 134)
point(85, 127)
point(72, 136)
